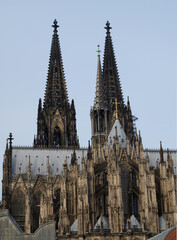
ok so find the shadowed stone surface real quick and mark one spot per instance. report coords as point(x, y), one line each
point(9, 229)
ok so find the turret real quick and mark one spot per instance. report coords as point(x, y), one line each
point(109, 102)
point(99, 112)
point(161, 153)
point(7, 163)
point(89, 152)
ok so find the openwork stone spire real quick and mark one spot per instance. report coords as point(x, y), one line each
point(56, 92)
point(56, 123)
point(99, 96)
point(112, 86)
point(109, 103)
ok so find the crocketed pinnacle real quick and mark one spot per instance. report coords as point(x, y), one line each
point(56, 92)
point(112, 86)
point(99, 95)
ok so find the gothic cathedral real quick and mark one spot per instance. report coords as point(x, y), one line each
point(114, 189)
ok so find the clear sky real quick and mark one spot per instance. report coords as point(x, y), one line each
point(144, 35)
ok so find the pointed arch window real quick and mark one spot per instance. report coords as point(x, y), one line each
point(125, 197)
point(135, 205)
point(102, 122)
point(57, 137)
point(56, 206)
point(96, 124)
point(18, 208)
point(46, 136)
point(36, 210)
point(133, 177)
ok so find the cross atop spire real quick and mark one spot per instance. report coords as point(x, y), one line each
point(55, 26)
point(108, 27)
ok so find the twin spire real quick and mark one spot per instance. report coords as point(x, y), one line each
point(109, 102)
point(56, 123)
point(108, 87)
point(56, 92)
point(57, 118)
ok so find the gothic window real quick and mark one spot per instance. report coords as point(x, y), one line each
point(135, 205)
point(124, 183)
point(18, 208)
point(56, 206)
point(133, 177)
point(96, 124)
point(101, 122)
point(46, 136)
point(57, 137)
point(101, 205)
point(36, 210)
point(98, 208)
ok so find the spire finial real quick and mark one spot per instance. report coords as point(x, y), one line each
point(10, 139)
point(108, 27)
point(98, 51)
point(161, 152)
point(55, 26)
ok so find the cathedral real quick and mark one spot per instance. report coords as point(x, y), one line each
point(114, 189)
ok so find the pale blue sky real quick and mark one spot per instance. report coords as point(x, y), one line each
point(144, 39)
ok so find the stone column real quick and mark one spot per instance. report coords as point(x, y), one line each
point(28, 216)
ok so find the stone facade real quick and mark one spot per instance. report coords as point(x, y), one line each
point(111, 190)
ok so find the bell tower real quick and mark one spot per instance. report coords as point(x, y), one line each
point(56, 122)
point(109, 102)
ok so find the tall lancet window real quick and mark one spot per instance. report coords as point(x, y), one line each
point(57, 137)
point(56, 206)
point(36, 210)
point(124, 183)
point(96, 124)
point(102, 122)
point(135, 205)
point(18, 208)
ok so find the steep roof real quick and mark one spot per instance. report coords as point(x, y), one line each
point(39, 158)
point(154, 157)
point(120, 133)
point(169, 234)
point(105, 223)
